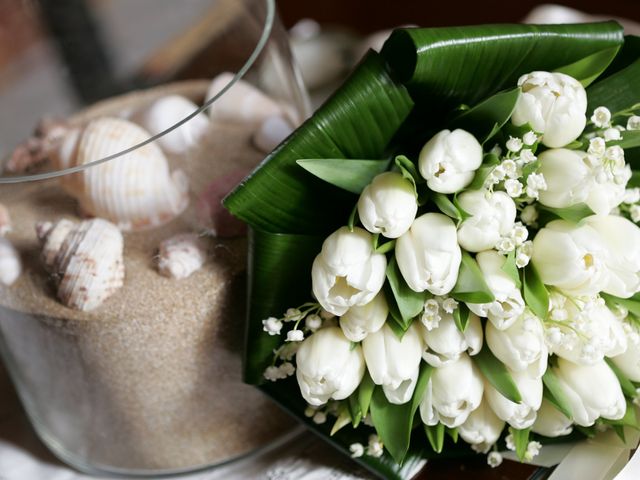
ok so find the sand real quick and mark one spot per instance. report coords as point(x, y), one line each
point(151, 379)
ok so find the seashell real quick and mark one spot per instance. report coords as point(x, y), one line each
point(165, 112)
point(10, 263)
point(181, 255)
point(135, 190)
point(212, 216)
point(5, 220)
point(271, 133)
point(242, 102)
point(36, 149)
point(84, 259)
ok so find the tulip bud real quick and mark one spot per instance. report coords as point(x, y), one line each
point(446, 342)
point(629, 361)
point(347, 272)
point(449, 160)
point(454, 391)
point(491, 218)
point(567, 175)
point(482, 428)
point(621, 238)
point(551, 422)
point(388, 205)
point(362, 320)
point(428, 255)
point(394, 363)
point(592, 391)
point(520, 346)
point(518, 415)
point(571, 258)
point(508, 304)
point(554, 104)
point(328, 366)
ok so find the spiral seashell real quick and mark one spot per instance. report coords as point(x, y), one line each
point(135, 190)
point(84, 259)
point(10, 263)
point(5, 220)
point(165, 112)
point(181, 255)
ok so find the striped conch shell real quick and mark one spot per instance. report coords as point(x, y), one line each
point(85, 260)
point(134, 191)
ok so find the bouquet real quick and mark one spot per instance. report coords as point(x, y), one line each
point(445, 258)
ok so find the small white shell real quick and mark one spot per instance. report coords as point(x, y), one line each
point(271, 132)
point(134, 191)
point(5, 220)
point(84, 259)
point(242, 102)
point(181, 255)
point(10, 263)
point(165, 112)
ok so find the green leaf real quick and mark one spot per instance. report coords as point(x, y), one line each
point(409, 171)
point(344, 419)
point(630, 418)
point(446, 206)
point(489, 163)
point(617, 92)
point(409, 303)
point(395, 422)
point(556, 394)
point(572, 214)
point(589, 68)
point(521, 441)
point(471, 286)
point(453, 433)
point(386, 247)
point(631, 304)
point(353, 218)
point(435, 435)
point(627, 387)
point(461, 316)
point(487, 118)
point(497, 374)
point(510, 268)
point(354, 409)
point(630, 139)
point(348, 174)
point(536, 295)
point(365, 391)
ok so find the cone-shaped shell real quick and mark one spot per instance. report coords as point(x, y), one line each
point(84, 259)
point(134, 191)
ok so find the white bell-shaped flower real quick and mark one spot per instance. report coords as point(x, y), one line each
point(519, 415)
point(508, 304)
point(454, 391)
point(394, 363)
point(445, 343)
point(347, 272)
point(364, 319)
point(554, 104)
point(449, 160)
point(388, 205)
point(492, 217)
point(592, 391)
point(428, 255)
point(328, 366)
point(551, 422)
point(482, 428)
point(571, 257)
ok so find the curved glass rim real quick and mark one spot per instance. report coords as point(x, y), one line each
point(262, 41)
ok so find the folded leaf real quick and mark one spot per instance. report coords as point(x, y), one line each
point(409, 303)
point(555, 394)
point(617, 92)
point(435, 435)
point(536, 295)
point(349, 174)
point(589, 68)
point(521, 441)
point(572, 214)
point(471, 286)
point(497, 374)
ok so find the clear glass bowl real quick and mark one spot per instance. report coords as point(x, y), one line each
point(148, 380)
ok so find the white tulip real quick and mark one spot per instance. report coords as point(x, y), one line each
point(629, 361)
point(347, 272)
point(508, 304)
point(592, 391)
point(519, 415)
point(388, 205)
point(362, 320)
point(449, 160)
point(622, 238)
point(520, 346)
point(428, 255)
point(394, 363)
point(554, 104)
point(328, 366)
point(453, 392)
point(571, 258)
point(567, 175)
point(551, 422)
point(446, 342)
point(482, 428)
point(491, 218)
